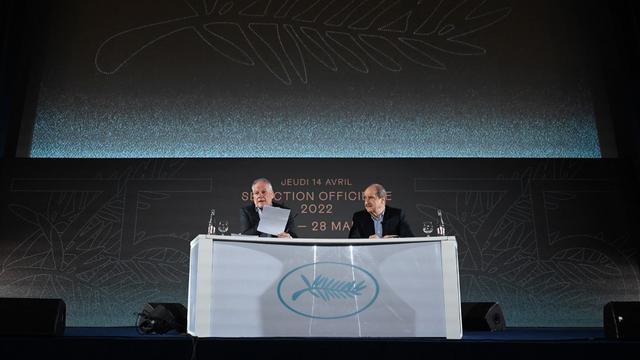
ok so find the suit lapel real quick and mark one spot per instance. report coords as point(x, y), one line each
point(255, 218)
point(387, 223)
point(370, 229)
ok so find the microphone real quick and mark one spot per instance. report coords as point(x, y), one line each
point(440, 230)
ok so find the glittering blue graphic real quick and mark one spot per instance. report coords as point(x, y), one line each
point(191, 127)
point(302, 79)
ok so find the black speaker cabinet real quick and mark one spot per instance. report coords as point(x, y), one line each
point(482, 316)
point(159, 318)
point(622, 320)
point(32, 317)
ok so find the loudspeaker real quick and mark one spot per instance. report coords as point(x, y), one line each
point(159, 318)
point(482, 316)
point(622, 320)
point(32, 317)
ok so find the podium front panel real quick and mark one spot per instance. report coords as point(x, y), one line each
point(247, 289)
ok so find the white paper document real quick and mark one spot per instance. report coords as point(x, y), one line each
point(273, 220)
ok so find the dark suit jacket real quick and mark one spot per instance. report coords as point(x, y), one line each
point(249, 220)
point(393, 223)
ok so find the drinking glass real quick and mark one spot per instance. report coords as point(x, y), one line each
point(223, 226)
point(427, 227)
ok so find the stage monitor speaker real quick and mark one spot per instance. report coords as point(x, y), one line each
point(160, 318)
point(482, 316)
point(622, 320)
point(32, 317)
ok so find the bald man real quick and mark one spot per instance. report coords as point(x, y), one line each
point(378, 220)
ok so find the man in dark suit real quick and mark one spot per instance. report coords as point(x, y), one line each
point(378, 220)
point(262, 193)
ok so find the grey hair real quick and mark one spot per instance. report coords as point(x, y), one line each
point(381, 192)
point(264, 180)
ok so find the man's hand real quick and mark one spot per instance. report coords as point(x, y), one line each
point(284, 235)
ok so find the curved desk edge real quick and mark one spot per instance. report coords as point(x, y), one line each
point(309, 241)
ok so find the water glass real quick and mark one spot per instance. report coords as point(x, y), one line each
point(427, 227)
point(223, 226)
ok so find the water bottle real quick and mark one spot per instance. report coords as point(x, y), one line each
point(211, 230)
point(440, 229)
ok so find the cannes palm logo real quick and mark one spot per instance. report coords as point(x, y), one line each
point(328, 290)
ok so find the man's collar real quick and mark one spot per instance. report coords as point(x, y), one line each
point(259, 210)
point(380, 217)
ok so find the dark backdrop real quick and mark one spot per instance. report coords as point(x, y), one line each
point(309, 78)
point(548, 239)
point(552, 240)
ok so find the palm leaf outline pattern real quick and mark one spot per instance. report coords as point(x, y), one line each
point(355, 33)
point(78, 249)
point(506, 253)
point(327, 289)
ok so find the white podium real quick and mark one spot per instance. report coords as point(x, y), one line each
point(267, 287)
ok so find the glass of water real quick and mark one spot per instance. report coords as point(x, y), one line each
point(223, 226)
point(427, 227)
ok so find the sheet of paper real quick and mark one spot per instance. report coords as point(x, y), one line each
point(273, 220)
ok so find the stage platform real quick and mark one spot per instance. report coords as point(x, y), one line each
point(90, 343)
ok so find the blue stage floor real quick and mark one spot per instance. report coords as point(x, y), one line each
point(510, 334)
point(95, 343)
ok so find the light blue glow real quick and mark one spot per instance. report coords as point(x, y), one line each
point(196, 127)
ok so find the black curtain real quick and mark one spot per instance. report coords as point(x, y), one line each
point(21, 26)
point(623, 79)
